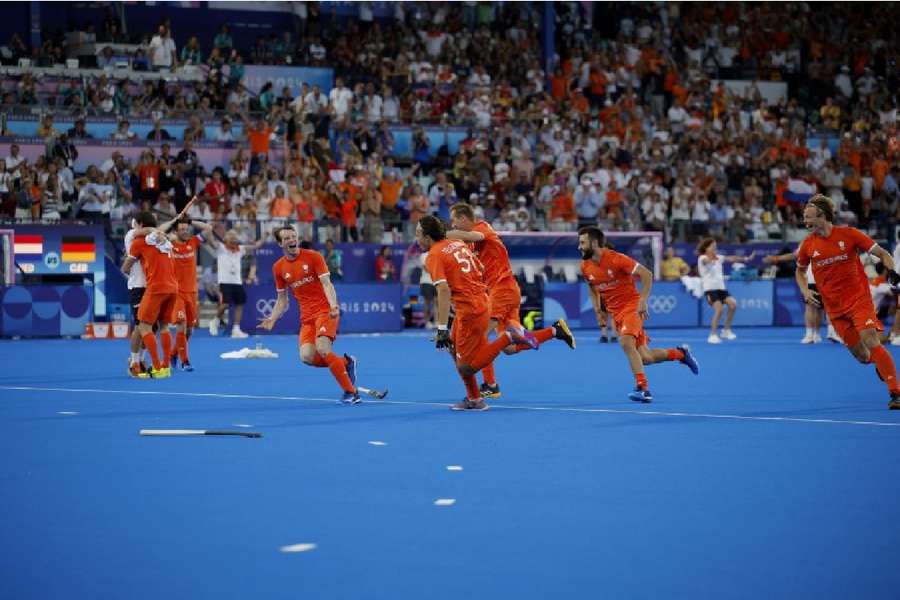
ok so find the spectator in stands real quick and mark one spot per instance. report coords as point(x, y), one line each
point(162, 50)
point(79, 132)
point(65, 150)
point(123, 132)
point(187, 159)
point(191, 54)
point(384, 265)
point(334, 260)
point(148, 176)
point(673, 268)
point(158, 133)
point(223, 41)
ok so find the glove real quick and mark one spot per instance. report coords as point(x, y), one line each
point(442, 340)
point(892, 277)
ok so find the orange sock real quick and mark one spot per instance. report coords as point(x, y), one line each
point(152, 348)
point(884, 362)
point(674, 354)
point(165, 340)
point(641, 379)
point(318, 361)
point(543, 335)
point(472, 391)
point(489, 352)
point(181, 345)
point(487, 374)
point(338, 367)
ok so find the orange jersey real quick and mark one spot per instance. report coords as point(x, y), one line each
point(302, 276)
point(158, 267)
point(839, 274)
point(613, 279)
point(185, 256)
point(453, 263)
point(493, 256)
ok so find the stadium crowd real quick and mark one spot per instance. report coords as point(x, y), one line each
point(625, 130)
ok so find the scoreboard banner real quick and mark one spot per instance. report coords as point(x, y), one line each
point(63, 250)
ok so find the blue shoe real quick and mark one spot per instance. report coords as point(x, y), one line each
point(689, 359)
point(350, 398)
point(186, 366)
point(351, 368)
point(639, 395)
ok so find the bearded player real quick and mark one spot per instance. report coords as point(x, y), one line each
point(610, 277)
point(843, 288)
point(304, 272)
point(458, 277)
point(503, 289)
point(185, 246)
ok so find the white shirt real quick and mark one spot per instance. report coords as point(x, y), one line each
point(712, 276)
point(161, 51)
point(340, 101)
point(136, 278)
point(229, 265)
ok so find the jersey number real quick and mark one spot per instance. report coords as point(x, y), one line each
point(467, 260)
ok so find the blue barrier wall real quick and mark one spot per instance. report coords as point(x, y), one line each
point(754, 303)
point(365, 308)
point(45, 310)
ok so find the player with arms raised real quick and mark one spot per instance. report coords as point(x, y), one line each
point(304, 272)
point(610, 275)
point(843, 288)
point(458, 276)
point(184, 252)
point(502, 288)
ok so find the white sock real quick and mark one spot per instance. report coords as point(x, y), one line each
point(135, 357)
point(809, 331)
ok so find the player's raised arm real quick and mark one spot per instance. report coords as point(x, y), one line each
point(773, 259)
point(465, 236)
point(888, 261)
point(281, 306)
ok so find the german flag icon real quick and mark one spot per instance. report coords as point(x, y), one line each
point(79, 248)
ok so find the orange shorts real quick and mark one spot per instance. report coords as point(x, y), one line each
point(469, 335)
point(505, 304)
point(158, 307)
point(860, 316)
point(319, 326)
point(629, 322)
point(186, 309)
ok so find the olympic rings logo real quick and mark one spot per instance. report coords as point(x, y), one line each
point(662, 304)
point(265, 307)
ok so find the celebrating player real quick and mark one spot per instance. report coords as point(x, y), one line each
point(160, 298)
point(812, 316)
point(184, 253)
point(502, 288)
point(610, 275)
point(843, 289)
point(712, 278)
point(305, 273)
point(458, 276)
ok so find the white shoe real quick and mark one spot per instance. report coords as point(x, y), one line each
point(237, 333)
point(728, 334)
point(833, 336)
point(809, 338)
point(429, 325)
point(817, 339)
point(214, 327)
point(713, 339)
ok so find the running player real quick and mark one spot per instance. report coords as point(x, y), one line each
point(610, 275)
point(843, 289)
point(502, 288)
point(712, 278)
point(154, 251)
point(458, 276)
point(307, 276)
point(185, 246)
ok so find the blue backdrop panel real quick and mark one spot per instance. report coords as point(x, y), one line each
point(789, 305)
point(44, 310)
point(670, 305)
point(365, 308)
point(563, 301)
point(755, 302)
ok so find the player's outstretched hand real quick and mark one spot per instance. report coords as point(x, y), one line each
point(813, 298)
point(442, 340)
point(266, 324)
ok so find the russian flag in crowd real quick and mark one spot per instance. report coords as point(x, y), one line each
point(799, 191)
point(24, 245)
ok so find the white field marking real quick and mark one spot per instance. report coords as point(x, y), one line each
point(445, 502)
point(67, 413)
point(454, 468)
point(444, 405)
point(298, 548)
point(244, 425)
point(377, 443)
